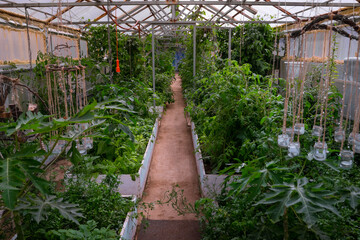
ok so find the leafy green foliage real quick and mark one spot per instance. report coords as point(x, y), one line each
point(15, 169)
point(95, 201)
point(307, 200)
point(238, 115)
point(39, 207)
point(86, 231)
point(258, 179)
point(228, 109)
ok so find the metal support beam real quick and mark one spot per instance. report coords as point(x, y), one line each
point(194, 51)
point(173, 12)
point(242, 12)
point(158, 18)
point(182, 11)
point(59, 14)
point(178, 23)
point(285, 11)
point(214, 10)
point(153, 62)
point(109, 43)
point(214, 16)
point(303, 10)
point(191, 2)
point(28, 37)
point(132, 17)
point(229, 47)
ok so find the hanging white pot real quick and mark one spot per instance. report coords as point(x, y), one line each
point(317, 131)
point(320, 151)
point(299, 128)
point(283, 140)
point(339, 135)
point(294, 149)
point(347, 159)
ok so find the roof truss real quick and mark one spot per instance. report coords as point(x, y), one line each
point(166, 16)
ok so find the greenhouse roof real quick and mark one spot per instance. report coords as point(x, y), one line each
point(166, 16)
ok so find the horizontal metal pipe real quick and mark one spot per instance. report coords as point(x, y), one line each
point(229, 3)
point(174, 23)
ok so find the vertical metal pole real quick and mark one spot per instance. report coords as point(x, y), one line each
point(51, 43)
point(229, 50)
point(153, 61)
point(28, 37)
point(79, 47)
point(109, 42)
point(47, 40)
point(194, 51)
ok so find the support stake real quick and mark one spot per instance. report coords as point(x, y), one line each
point(229, 50)
point(28, 37)
point(194, 51)
point(153, 61)
point(109, 43)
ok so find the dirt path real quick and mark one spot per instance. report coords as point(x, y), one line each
point(173, 163)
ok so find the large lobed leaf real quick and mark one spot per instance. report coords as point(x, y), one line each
point(257, 180)
point(39, 208)
point(306, 199)
point(16, 169)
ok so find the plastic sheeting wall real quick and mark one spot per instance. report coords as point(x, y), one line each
point(14, 45)
point(62, 46)
point(316, 44)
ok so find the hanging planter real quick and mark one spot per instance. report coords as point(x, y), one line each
point(294, 149)
point(339, 135)
point(299, 128)
point(356, 143)
point(317, 131)
point(347, 159)
point(283, 140)
point(320, 151)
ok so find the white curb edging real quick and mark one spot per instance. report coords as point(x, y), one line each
point(127, 185)
point(210, 184)
point(134, 184)
point(136, 187)
point(128, 230)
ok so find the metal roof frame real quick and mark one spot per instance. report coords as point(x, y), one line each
point(169, 15)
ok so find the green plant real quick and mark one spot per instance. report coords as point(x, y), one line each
point(86, 231)
point(22, 164)
point(95, 200)
point(252, 43)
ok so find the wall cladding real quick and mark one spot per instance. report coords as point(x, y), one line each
point(14, 45)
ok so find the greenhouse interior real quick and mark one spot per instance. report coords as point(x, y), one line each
point(179, 120)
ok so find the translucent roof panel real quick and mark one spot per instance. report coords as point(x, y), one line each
point(77, 13)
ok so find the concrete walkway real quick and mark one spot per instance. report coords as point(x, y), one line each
point(173, 163)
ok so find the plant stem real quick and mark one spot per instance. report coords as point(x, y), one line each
point(302, 169)
point(52, 148)
point(19, 230)
point(286, 225)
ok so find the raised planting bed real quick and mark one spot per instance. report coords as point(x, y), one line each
point(129, 185)
point(134, 184)
point(128, 230)
point(210, 184)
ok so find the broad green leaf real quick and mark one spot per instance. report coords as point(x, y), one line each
point(116, 108)
point(75, 155)
point(11, 179)
point(86, 109)
point(39, 208)
point(352, 195)
point(305, 198)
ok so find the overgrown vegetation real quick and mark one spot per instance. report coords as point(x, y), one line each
point(238, 115)
point(118, 121)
